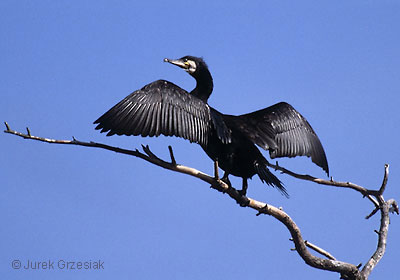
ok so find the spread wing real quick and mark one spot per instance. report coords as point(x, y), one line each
point(284, 132)
point(158, 108)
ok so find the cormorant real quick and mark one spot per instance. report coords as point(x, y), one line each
point(162, 107)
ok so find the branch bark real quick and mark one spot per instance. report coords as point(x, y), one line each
point(346, 270)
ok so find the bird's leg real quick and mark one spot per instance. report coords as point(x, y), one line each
point(226, 179)
point(243, 200)
point(243, 191)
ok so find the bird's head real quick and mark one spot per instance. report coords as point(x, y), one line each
point(191, 64)
point(198, 69)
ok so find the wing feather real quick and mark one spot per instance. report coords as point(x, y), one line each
point(154, 125)
point(158, 108)
point(147, 122)
point(284, 132)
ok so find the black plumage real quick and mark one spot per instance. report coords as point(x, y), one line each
point(162, 107)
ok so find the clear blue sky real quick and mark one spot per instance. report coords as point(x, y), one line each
point(64, 63)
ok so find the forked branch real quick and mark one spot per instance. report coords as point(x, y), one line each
point(346, 270)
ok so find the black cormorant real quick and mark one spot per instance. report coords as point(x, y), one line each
point(162, 107)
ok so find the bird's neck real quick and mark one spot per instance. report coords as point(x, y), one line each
point(204, 86)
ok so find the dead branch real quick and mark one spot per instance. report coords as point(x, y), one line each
point(317, 249)
point(365, 192)
point(382, 237)
point(346, 270)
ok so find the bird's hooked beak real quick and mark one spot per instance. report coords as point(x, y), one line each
point(178, 62)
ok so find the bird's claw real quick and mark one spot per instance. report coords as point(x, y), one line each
point(243, 201)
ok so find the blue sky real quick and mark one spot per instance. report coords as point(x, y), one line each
point(65, 63)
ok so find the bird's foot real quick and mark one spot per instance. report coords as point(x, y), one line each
point(226, 181)
point(243, 201)
point(242, 192)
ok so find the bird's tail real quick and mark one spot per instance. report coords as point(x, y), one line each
point(270, 179)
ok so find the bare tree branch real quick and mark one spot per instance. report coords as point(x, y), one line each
point(385, 180)
point(317, 249)
point(382, 237)
point(346, 270)
point(365, 192)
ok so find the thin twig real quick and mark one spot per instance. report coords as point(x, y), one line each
point(216, 173)
point(394, 207)
point(331, 182)
point(385, 179)
point(319, 250)
point(373, 212)
point(316, 249)
point(171, 155)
